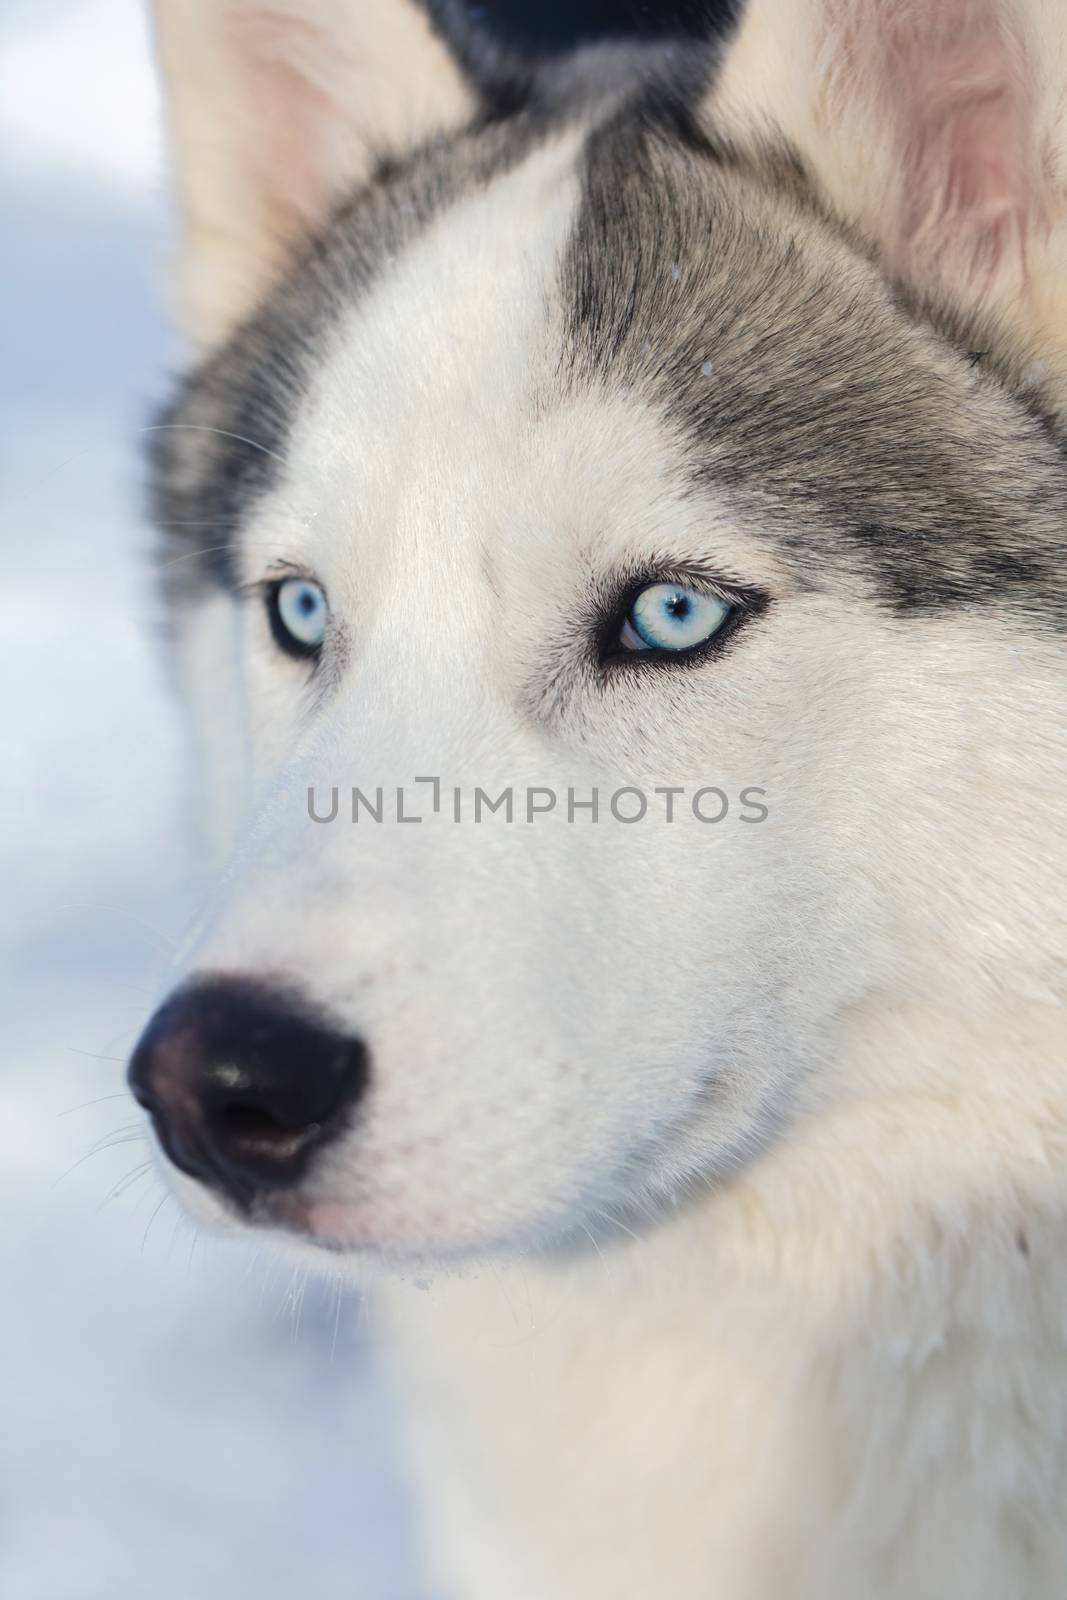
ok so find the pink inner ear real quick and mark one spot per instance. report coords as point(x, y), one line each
point(967, 194)
point(949, 85)
point(288, 67)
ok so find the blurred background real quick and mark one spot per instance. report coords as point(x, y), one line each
point(178, 1416)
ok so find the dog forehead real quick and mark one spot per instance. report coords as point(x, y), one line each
point(445, 419)
point(406, 383)
point(430, 381)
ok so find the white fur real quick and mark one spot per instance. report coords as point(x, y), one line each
point(827, 1052)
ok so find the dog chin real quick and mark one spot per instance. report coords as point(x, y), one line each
point(362, 1230)
point(371, 1232)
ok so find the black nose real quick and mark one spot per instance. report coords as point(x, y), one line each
point(244, 1083)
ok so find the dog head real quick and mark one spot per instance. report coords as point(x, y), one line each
point(639, 481)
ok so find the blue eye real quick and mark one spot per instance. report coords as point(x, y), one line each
point(298, 614)
point(670, 618)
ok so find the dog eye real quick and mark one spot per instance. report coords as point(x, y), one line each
point(670, 618)
point(298, 613)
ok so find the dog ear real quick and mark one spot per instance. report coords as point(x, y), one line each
point(937, 127)
point(276, 107)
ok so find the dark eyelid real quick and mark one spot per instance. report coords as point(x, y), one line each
point(744, 601)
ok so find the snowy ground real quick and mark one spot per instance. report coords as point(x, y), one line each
point(175, 1420)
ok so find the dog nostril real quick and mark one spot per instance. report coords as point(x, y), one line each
point(255, 1128)
point(244, 1083)
point(246, 1122)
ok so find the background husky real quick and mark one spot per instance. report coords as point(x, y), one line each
point(491, 353)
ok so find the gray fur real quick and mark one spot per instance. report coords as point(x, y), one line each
point(857, 432)
point(848, 426)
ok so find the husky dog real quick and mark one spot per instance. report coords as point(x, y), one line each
point(654, 420)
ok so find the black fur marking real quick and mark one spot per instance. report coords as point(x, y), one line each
point(502, 79)
point(477, 34)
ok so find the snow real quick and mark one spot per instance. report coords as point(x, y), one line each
point(177, 1417)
